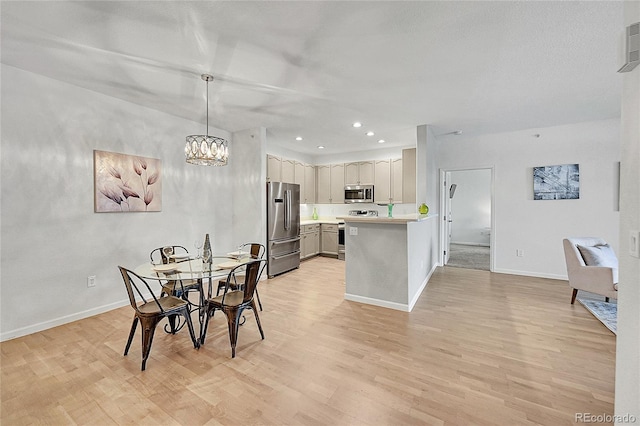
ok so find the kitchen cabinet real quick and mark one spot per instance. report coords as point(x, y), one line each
point(397, 181)
point(292, 171)
point(409, 175)
point(388, 181)
point(337, 184)
point(330, 184)
point(288, 171)
point(309, 240)
point(310, 183)
point(274, 169)
point(305, 176)
point(360, 173)
point(323, 194)
point(382, 182)
point(299, 179)
point(329, 239)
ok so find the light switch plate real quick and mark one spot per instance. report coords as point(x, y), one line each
point(634, 243)
point(353, 230)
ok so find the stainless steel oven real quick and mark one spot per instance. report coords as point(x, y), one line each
point(341, 250)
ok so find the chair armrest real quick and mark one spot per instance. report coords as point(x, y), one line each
point(594, 279)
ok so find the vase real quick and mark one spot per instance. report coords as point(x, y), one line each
point(390, 210)
point(314, 216)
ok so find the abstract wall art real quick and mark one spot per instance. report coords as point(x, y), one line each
point(126, 183)
point(556, 182)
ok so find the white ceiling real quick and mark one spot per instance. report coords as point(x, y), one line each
point(310, 69)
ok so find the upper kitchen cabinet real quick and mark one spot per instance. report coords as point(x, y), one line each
point(305, 176)
point(397, 181)
point(310, 183)
point(274, 169)
point(299, 179)
point(360, 173)
point(337, 183)
point(382, 182)
point(288, 171)
point(323, 194)
point(409, 175)
point(388, 181)
point(330, 184)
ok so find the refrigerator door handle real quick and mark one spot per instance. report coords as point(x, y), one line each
point(287, 209)
point(286, 241)
point(286, 255)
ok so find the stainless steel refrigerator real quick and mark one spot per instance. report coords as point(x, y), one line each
point(283, 227)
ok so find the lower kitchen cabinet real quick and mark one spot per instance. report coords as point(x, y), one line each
point(309, 240)
point(329, 243)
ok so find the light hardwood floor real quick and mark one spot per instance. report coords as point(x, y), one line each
point(478, 348)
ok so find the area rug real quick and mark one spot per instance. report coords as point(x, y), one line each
point(607, 313)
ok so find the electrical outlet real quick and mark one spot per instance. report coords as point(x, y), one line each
point(353, 230)
point(91, 281)
point(519, 252)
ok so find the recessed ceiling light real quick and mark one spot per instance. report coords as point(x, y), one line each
point(381, 141)
point(357, 124)
point(370, 133)
point(299, 138)
point(320, 147)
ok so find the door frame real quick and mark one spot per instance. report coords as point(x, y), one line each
point(445, 203)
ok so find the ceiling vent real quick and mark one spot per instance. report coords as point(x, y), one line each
point(632, 50)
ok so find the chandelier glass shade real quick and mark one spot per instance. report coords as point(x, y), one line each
point(205, 150)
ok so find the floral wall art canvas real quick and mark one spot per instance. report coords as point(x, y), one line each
point(556, 182)
point(126, 183)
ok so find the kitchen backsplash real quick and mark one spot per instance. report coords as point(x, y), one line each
point(330, 210)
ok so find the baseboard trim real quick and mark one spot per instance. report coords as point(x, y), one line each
point(465, 243)
point(8, 335)
point(422, 287)
point(531, 274)
point(377, 302)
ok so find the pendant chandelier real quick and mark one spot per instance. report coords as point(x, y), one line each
point(205, 150)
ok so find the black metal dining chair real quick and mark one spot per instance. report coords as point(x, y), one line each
point(234, 302)
point(256, 251)
point(150, 310)
point(162, 255)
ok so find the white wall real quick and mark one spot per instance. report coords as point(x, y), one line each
point(471, 206)
point(628, 339)
point(51, 238)
point(538, 227)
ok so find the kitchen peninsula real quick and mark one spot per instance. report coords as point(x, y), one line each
point(389, 260)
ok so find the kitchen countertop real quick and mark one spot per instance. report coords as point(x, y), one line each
point(331, 220)
point(400, 219)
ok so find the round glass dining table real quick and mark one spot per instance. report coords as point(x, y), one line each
point(188, 269)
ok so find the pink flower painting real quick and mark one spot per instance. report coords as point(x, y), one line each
point(126, 183)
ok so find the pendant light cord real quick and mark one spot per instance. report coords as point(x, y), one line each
point(207, 108)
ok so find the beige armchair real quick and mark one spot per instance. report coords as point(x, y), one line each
point(598, 274)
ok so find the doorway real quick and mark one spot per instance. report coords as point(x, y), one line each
point(467, 237)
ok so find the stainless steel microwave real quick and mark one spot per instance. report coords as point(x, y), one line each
point(358, 194)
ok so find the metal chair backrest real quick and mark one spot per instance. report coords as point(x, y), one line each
point(158, 255)
point(251, 272)
point(256, 250)
point(135, 286)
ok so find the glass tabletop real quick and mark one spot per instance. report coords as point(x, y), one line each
point(190, 269)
